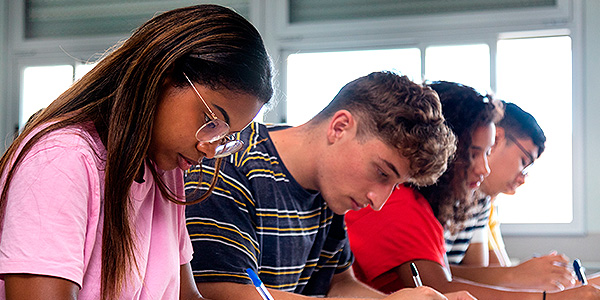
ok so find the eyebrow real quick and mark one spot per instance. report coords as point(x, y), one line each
point(225, 114)
point(476, 147)
point(392, 167)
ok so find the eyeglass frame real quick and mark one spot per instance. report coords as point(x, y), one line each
point(524, 171)
point(226, 138)
point(218, 160)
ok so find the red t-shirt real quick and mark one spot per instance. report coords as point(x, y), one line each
point(405, 229)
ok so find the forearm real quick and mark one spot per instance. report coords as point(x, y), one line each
point(353, 290)
point(594, 279)
point(345, 284)
point(500, 276)
point(482, 291)
point(231, 291)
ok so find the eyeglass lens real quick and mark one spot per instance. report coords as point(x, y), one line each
point(215, 130)
point(531, 159)
point(212, 131)
point(228, 148)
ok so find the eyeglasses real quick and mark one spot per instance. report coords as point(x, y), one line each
point(531, 159)
point(214, 130)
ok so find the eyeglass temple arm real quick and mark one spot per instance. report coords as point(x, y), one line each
point(212, 114)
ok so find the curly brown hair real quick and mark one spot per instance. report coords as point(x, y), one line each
point(400, 113)
point(465, 110)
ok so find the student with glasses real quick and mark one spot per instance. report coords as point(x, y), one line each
point(410, 227)
point(519, 142)
point(92, 187)
point(279, 204)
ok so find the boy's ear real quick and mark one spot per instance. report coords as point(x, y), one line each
point(500, 134)
point(341, 124)
point(500, 137)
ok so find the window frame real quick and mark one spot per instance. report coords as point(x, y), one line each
point(283, 38)
point(456, 28)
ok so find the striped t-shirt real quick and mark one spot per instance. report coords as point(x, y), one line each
point(473, 231)
point(259, 217)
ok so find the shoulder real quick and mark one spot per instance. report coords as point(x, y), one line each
point(69, 143)
point(259, 152)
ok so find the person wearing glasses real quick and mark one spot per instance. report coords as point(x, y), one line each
point(410, 227)
point(92, 187)
point(519, 142)
point(278, 206)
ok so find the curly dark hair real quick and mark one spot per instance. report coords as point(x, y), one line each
point(403, 114)
point(465, 110)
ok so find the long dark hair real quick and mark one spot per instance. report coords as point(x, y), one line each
point(212, 44)
point(465, 110)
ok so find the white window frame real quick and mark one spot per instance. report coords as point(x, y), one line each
point(283, 38)
point(23, 53)
point(456, 28)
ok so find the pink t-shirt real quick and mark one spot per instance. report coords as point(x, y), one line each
point(54, 216)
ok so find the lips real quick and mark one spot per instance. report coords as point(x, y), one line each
point(357, 206)
point(184, 163)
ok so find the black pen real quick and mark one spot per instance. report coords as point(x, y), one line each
point(579, 272)
point(415, 274)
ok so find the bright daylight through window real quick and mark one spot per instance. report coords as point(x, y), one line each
point(534, 73)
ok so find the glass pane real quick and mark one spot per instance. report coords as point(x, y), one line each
point(466, 64)
point(535, 73)
point(41, 85)
point(313, 79)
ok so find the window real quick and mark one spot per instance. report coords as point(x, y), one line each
point(467, 64)
point(315, 78)
point(465, 41)
point(42, 84)
point(535, 73)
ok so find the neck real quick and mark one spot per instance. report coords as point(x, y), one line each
point(298, 151)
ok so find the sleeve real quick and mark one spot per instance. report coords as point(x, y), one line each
point(185, 244)
point(482, 216)
point(404, 229)
point(495, 239)
point(343, 258)
point(222, 227)
point(46, 218)
point(480, 235)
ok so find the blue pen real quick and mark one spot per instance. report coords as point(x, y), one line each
point(579, 272)
point(260, 287)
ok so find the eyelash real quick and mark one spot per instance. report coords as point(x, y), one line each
point(382, 174)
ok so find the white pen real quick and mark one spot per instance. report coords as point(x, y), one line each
point(579, 271)
point(415, 274)
point(260, 287)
